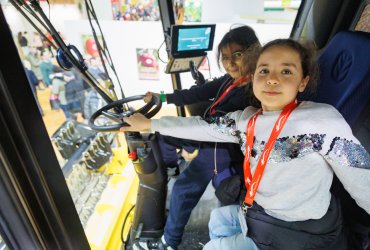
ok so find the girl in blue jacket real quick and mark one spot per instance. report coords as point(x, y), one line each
point(227, 93)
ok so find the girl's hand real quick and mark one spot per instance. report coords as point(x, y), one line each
point(137, 122)
point(189, 156)
point(149, 95)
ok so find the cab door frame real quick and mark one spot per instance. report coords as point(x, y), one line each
point(36, 208)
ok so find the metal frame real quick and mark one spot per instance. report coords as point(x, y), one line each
point(36, 209)
point(168, 19)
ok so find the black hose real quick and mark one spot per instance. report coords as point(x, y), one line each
point(124, 242)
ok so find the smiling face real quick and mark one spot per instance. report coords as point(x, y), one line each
point(231, 58)
point(278, 77)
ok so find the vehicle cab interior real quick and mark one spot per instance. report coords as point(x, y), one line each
point(78, 182)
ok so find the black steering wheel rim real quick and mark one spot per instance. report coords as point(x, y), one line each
point(147, 110)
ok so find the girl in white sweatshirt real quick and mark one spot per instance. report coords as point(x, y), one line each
point(291, 152)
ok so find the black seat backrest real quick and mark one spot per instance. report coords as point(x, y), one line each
point(344, 82)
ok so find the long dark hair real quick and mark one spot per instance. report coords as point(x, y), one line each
point(243, 36)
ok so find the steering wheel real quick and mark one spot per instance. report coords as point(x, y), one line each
point(113, 111)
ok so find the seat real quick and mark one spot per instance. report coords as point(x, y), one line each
point(344, 82)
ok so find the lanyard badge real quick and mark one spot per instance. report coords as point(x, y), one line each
point(250, 182)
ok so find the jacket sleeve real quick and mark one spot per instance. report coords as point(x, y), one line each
point(221, 129)
point(196, 94)
point(349, 160)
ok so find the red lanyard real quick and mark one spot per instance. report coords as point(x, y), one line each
point(253, 183)
point(226, 92)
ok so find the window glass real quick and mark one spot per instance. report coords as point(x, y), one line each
point(96, 167)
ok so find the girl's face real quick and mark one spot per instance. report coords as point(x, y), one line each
point(278, 77)
point(231, 58)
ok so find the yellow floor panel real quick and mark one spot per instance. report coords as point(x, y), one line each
point(103, 229)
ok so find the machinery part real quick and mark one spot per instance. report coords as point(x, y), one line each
point(197, 75)
point(149, 218)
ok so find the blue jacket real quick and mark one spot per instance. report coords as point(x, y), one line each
point(237, 99)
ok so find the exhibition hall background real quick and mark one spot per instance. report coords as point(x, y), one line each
point(128, 41)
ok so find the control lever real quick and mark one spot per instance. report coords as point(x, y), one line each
point(56, 142)
point(98, 149)
point(65, 134)
point(88, 160)
point(73, 132)
point(71, 127)
point(197, 75)
point(103, 141)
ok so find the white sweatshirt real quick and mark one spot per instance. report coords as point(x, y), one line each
point(315, 141)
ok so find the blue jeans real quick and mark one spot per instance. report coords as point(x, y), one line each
point(188, 189)
point(169, 146)
point(225, 231)
point(69, 108)
point(66, 110)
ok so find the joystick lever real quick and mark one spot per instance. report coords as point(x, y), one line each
point(197, 75)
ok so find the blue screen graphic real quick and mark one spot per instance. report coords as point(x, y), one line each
point(194, 39)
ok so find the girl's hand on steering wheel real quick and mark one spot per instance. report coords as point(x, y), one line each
point(149, 95)
point(137, 122)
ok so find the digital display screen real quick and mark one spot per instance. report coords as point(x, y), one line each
point(191, 40)
point(194, 39)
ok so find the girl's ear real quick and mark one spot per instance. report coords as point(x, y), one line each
point(303, 84)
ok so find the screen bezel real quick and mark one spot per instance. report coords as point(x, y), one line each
point(175, 36)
